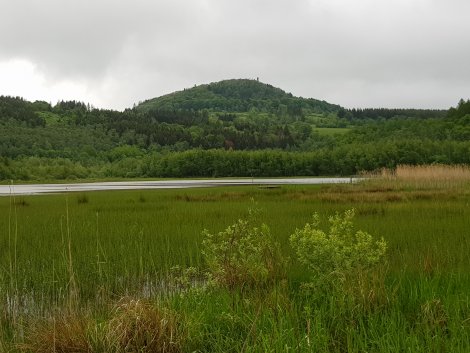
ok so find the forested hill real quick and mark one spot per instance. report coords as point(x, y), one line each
point(237, 96)
point(228, 128)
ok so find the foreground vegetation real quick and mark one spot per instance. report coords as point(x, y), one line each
point(134, 271)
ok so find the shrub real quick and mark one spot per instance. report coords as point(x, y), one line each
point(242, 256)
point(337, 255)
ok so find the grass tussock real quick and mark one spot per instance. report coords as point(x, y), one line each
point(139, 326)
point(433, 315)
point(133, 325)
point(61, 333)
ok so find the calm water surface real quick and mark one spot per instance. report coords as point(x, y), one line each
point(31, 189)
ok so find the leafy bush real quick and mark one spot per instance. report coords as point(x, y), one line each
point(341, 253)
point(242, 255)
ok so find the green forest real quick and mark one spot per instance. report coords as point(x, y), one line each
point(227, 128)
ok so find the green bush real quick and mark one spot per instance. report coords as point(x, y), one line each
point(242, 256)
point(339, 254)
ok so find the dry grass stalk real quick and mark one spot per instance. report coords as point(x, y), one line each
point(138, 326)
point(435, 172)
point(63, 333)
point(368, 291)
point(433, 315)
point(435, 176)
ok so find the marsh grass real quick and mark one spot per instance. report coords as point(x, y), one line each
point(82, 198)
point(226, 196)
point(21, 202)
point(117, 246)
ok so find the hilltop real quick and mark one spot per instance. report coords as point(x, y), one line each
point(236, 96)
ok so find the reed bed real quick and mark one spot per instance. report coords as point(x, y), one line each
point(434, 176)
point(434, 172)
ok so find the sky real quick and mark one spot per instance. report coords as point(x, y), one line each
point(115, 53)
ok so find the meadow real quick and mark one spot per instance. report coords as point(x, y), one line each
point(124, 271)
point(331, 131)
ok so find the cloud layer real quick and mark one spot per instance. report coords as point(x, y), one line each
point(405, 53)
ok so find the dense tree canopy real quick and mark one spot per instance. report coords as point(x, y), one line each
point(237, 96)
point(240, 128)
point(16, 108)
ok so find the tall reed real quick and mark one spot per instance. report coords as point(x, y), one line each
point(422, 176)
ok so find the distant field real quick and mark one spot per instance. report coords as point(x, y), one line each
point(101, 246)
point(331, 130)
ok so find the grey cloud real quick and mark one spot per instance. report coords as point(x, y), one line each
point(361, 53)
point(84, 37)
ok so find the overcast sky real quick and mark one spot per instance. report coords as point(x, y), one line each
point(114, 53)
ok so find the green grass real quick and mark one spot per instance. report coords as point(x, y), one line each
point(330, 131)
point(124, 243)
